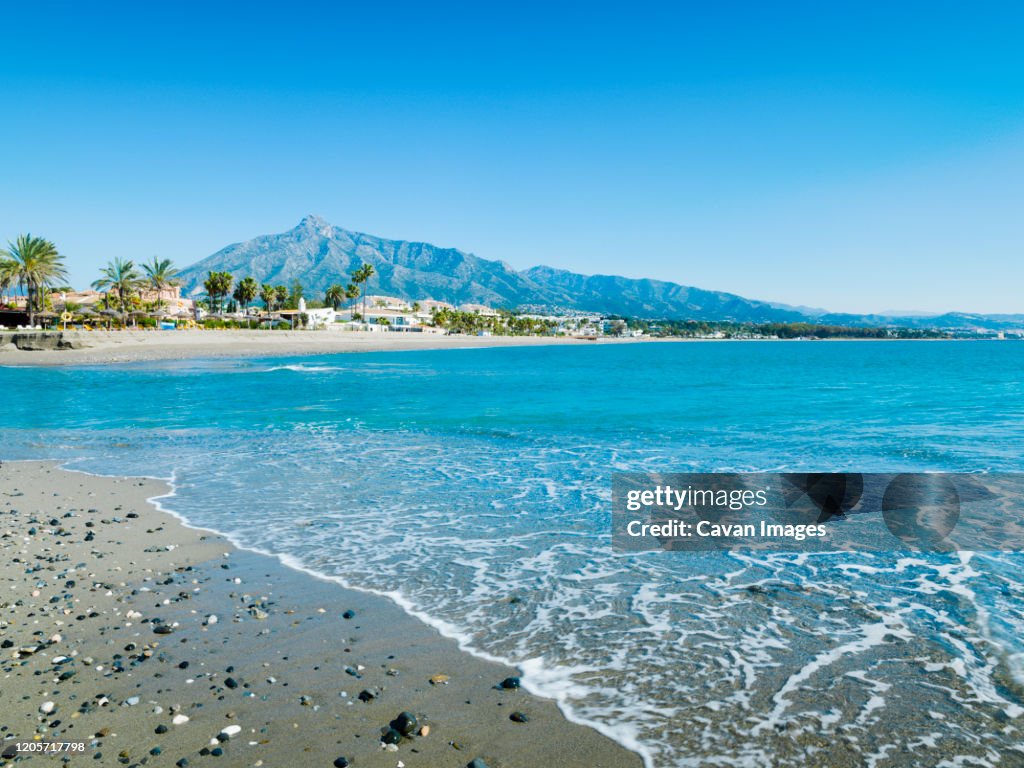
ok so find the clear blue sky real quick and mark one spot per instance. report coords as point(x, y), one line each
point(860, 157)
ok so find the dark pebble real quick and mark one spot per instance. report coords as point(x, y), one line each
point(406, 723)
point(163, 629)
point(341, 762)
point(348, 615)
point(365, 696)
point(510, 683)
point(231, 683)
point(391, 736)
point(160, 729)
point(216, 751)
point(519, 717)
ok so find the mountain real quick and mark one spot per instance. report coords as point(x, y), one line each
point(318, 254)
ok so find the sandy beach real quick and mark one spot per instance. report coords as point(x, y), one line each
point(150, 643)
point(91, 347)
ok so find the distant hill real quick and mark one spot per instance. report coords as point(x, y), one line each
point(318, 254)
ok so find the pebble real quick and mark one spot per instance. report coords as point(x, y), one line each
point(47, 707)
point(476, 763)
point(231, 730)
point(509, 683)
point(391, 736)
point(131, 701)
point(406, 723)
point(439, 680)
point(211, 619)
point(348, 615)
point(519, 717)
point(341, 762)
point(180, 719)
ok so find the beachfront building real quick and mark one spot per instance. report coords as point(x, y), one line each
point(169, 299)
point(382, 316)
point(320, 317)
point(386, 302)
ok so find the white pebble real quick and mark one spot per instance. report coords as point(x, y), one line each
point(47, 707)
point(180, 719)
point(231, 730)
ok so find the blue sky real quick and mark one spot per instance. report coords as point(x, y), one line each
point(858, 157)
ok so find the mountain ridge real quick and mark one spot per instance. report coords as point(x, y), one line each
point(318, 253)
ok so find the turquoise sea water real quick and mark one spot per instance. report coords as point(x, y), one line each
point(474, 487)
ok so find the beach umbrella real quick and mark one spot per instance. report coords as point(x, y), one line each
point(112, 314)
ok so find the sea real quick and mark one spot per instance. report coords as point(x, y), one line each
point(473, 487)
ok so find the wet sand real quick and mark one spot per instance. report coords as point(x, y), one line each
point(108, 639)
point(91, 347)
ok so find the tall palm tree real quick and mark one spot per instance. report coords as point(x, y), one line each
point(8, 277)
point(352, 293)
point(363, 273)
point(268, 296)
point(218, 286)
point(334, 296)
point(34, 264)
point(245, 292)
point(120, 278)
point(160, 274)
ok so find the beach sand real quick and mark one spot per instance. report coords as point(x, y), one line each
point(128, 346)
point(107, 640)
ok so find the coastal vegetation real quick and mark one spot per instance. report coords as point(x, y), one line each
point(161, 274)
point(32, 264)
point(119, 279)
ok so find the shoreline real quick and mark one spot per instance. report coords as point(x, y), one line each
point(106, 347)
point(300, 693)
point(131, 346)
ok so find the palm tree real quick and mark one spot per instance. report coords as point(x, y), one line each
point(160, 274)
point(352, 293)
point(280, 295)
point(267, 296)
point(118, 277)
point(363, 273)
point(34, 264)
point(217, 286)
point(334, 296)
point(8, 277)
point(245, 292)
